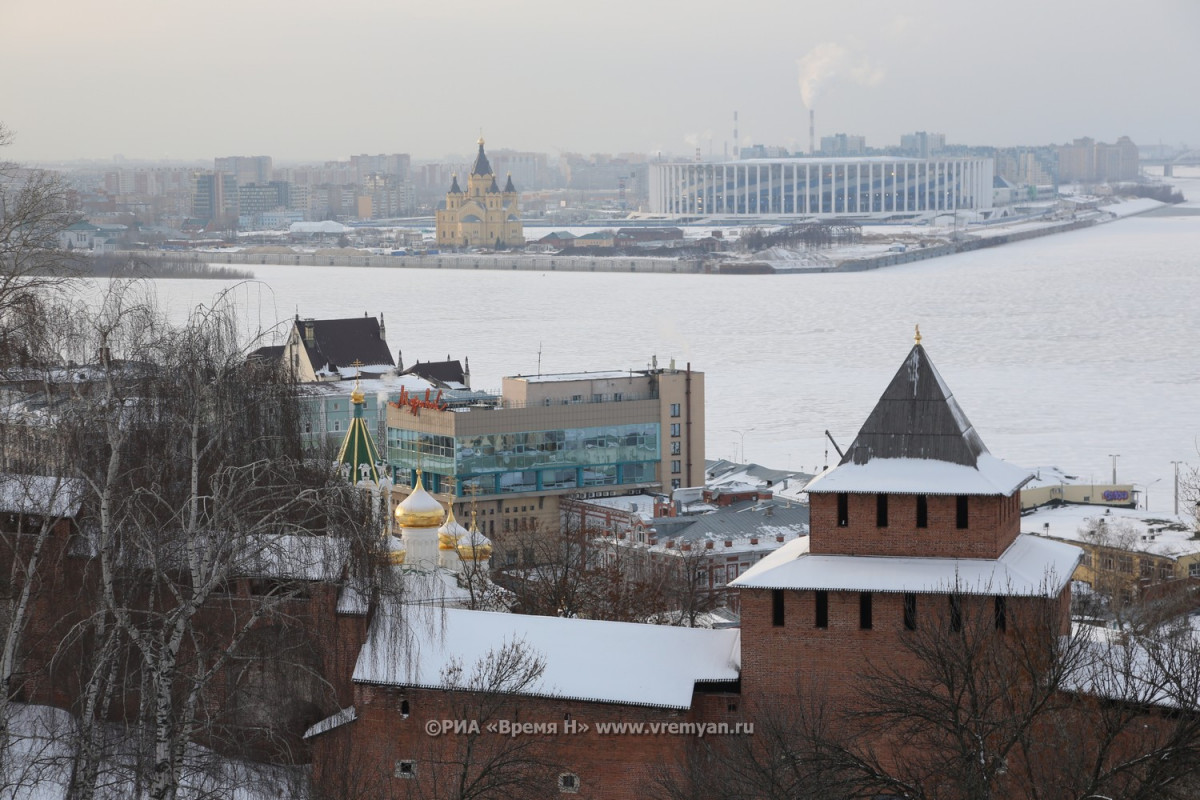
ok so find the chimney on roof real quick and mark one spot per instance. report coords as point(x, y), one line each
point(382, 329)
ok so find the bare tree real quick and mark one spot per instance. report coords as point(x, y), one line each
point(35, 208)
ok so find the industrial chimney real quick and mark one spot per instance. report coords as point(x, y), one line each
point(812, 132)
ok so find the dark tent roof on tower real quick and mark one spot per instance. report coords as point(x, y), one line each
point(918, 441)
point(481, 165)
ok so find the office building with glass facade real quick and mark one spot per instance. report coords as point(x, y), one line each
point(589, 433)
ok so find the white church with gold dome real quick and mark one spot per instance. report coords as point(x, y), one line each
point(484, 215)
point(423, 537)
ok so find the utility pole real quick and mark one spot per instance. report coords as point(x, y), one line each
point(1114, 457)
point(1177, 463)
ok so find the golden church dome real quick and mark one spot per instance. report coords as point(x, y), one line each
point(420, 509)
point(450, 532)
point(474, 546)
point(394, 551)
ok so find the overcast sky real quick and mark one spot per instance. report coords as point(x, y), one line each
point(298, 79)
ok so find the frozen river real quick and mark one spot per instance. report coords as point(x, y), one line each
point(1061, 350)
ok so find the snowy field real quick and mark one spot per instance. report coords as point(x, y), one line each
point(1061, 350)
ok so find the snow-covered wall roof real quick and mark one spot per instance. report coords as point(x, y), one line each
point(611, 662)
point(990, 476)
point(1031, 566)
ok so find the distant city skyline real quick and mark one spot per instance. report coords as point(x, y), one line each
point(302, 81)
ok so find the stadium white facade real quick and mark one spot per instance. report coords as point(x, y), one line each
point(875, 186)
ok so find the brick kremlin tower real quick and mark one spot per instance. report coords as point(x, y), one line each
point(918, 525)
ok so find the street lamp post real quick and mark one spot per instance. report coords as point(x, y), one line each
point(1146, 487)
point(742, 441)
point(1114, 457)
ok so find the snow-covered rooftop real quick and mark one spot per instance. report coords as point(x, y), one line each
point(1123, 528)
point(1030, 566)
point(989, 476)
point(611, 662)
point(577, 376)
point(42, 495)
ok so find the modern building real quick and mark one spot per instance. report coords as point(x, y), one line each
point(1086, 159)
point(546, 436)
point(482, 216)
point(922, 144)
point(843, 144)
point(875, 186)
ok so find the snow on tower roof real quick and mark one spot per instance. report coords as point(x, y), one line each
point(1031, 566)
point(989, 476)
point(591, 660)
point(918, 441)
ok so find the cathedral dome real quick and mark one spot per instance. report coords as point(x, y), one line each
point(451, 532)
point(474, 546)
point(395, 551)
point(420, 509)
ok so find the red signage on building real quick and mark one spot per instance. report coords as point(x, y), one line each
point(415, 402)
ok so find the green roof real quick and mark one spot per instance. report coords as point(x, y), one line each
point(358, 451)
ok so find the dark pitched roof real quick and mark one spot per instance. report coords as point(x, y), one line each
point(917, 417)
point(438, 372)
point(508, 185)
point(454, 186)
point(494, 188)
point(268, 353)
point(341, 342)
point(481, 165)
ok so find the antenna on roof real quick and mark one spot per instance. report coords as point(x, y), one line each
point(539, 359)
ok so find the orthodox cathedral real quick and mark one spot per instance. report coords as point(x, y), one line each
point(484, 215)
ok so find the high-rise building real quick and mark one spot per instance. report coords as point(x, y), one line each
point(922, 144)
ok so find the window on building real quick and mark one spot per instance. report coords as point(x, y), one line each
point(337, 425)
point(822, 609)
point(674, 428)
point(910, 612)
point(1125, 564)
point(1194, 569)
point(955, 613)
point(1166, 571)
point(676, 448)
point(777, 608)
point(1107, 562)
point(1001, 613)
point(568, 783)
point(676, 467)
point(618, 397)
point(843, 509)
point(922, 511)
point(864, 610)
point(674, 409)
point(676, 483)
point(1085, 560)
point(404, 708)
point(1146, 566)
point(960, 512)
point(881, 517)
point(406, 769)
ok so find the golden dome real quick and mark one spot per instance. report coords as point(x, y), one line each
point(395, 551)
point(420, 509)
point(450, 532)
point(474, 546)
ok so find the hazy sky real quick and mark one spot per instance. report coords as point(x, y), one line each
point(298, 79)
